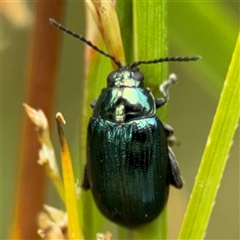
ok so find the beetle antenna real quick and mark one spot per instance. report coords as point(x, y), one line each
point(167, 59)
point(80, 37)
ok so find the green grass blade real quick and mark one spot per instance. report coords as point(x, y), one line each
point(150, 38)
point(215, 155)
point(124, 11)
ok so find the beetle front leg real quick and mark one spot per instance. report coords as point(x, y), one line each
point(93, 103)
point(164, 90)
point(174, 172)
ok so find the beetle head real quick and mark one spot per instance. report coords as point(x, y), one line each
point(125, 77)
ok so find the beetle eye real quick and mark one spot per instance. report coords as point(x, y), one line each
point(110, 77)
point(138, 75)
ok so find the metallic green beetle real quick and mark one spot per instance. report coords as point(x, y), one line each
point(129, 160)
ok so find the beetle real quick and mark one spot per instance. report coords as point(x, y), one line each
point(130, 163)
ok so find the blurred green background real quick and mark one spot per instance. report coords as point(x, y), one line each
point(208, 29)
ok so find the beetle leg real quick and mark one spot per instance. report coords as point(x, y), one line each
point(93, 103)
point(175, 176)
point(172, 140)
point(85, 183)
point(168, 129)
point(164, 90)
